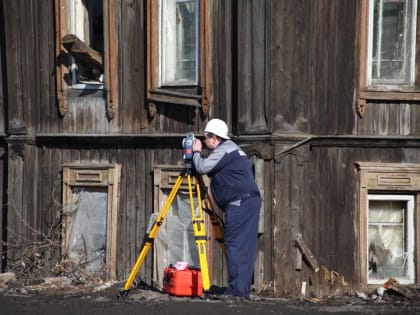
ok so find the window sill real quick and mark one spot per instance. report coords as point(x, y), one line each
point(174, 97)
point(85, 85)
point(376, 94)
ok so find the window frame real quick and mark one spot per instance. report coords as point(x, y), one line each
point(164, 179)
point(391, 179)
point(203, 97)
point(383, 92)
point(409, 236)
point(105, 176)
point(63, 27)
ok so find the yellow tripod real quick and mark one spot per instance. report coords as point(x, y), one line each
point(198, 226)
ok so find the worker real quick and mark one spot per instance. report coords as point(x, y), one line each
point(235, 192)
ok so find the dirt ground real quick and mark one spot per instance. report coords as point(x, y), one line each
point(106, 300)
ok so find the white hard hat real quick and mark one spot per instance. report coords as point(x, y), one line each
point(217, 127)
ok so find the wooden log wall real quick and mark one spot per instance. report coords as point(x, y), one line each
point(284, 71)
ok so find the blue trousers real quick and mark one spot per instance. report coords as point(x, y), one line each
point(240, 239)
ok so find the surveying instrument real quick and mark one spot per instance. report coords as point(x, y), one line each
point(197, 220)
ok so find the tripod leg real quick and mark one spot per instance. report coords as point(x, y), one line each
point(149, 237)
point(200, 235)
point(215, 220)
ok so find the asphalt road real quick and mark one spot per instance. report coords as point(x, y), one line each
point(107, 303)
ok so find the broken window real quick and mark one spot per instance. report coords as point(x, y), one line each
point(90, 209)
point(84, 44)
point(390, 238)
point(86, 49)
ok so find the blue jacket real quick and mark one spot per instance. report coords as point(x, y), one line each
point(230, 172)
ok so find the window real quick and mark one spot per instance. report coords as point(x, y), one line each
point(390, 220)
point(85, 44)
point(175, 240)
point(179, 51)
point(179, 42)
point(85, 49)
point(391, 50)
point(387, 225)
point(388, 64)
point(90, 214)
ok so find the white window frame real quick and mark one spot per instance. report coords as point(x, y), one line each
point(409, 238)
point(411, 60)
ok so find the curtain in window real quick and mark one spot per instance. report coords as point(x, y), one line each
point(386, 239)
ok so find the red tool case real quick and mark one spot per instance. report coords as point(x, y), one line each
point(186, 282)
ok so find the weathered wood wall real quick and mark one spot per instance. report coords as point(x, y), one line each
point(283, 72)
point(3, 154)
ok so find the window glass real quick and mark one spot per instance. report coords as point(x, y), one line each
point(392, 29)
point(179, 42)
point(390, 238)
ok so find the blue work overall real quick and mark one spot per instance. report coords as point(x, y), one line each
point(240, 238)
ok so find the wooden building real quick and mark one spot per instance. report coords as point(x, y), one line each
point(323, 95)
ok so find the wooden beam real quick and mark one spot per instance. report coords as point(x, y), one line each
point(307, 255)
point(90, 59)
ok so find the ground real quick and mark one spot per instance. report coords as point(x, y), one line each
point(105, 299)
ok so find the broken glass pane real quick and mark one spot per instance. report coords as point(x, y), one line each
point(386, 239)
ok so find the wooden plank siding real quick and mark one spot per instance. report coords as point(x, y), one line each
point(223, 58)
point(289, 62)
point(251, 52)
point(133, 115)
point(3, 86)
point(3, 145)
point(284, 78)
point(316, 191)
point(390, 119)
